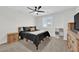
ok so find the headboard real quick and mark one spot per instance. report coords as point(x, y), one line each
point(29, 28)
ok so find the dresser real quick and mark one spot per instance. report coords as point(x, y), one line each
point(12, 37)
point(72, 39)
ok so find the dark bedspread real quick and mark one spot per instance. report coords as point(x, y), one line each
point(35, 38)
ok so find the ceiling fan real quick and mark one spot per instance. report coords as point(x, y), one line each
point(36, 9)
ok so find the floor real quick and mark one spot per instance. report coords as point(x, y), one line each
point(48, 45)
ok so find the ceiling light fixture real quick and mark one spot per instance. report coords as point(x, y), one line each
point(36, 10)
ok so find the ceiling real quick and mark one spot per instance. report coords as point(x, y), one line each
point(47, 9)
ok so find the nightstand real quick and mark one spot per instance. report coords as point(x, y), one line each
point(12, 37)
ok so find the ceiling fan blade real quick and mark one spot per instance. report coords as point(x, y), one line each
point(30, 8)
point(39, 7)
point(41, 11)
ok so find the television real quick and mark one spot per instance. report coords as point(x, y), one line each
point(76, 22)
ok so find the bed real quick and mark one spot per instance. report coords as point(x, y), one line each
point(35, 35)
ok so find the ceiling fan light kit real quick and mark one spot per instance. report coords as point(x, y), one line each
point(36, 10)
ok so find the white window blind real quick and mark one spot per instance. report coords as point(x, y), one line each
point(47, 21)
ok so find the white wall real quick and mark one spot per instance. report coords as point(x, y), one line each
point(60, 20)
point(10, 20)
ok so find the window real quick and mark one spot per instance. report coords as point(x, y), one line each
point(47, 21)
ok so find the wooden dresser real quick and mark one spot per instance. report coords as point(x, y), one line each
point(72, 38)
point(12, 37)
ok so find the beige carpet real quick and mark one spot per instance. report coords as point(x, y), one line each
point(48, 45)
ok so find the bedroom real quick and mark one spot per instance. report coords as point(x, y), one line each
point(13, 17)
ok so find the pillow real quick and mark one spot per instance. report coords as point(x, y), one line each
point(20, 29)
point(26, 28)
point(32, 29)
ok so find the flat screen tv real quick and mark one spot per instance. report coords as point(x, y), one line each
point(76, 22)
